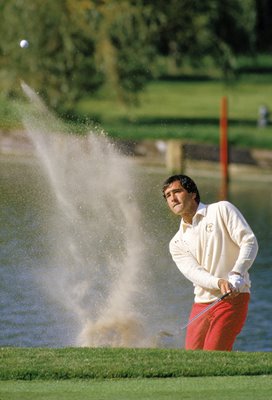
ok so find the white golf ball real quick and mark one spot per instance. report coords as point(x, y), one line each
point(24, 44)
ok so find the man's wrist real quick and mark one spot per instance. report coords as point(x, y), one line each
point(236, 273)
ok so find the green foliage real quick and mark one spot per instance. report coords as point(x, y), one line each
point(86, 363)
point(134, 57)
point(125, 49)
point(232, 25)
point(233, 22)
point(196, 30)
point(263, 25)
point(59, 62)
point(76, 47)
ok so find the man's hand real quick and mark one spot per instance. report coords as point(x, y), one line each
point(227, 287)
point(236, 280)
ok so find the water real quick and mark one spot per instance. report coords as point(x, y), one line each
point(84, 248)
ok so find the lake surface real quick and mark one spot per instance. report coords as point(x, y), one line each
point(42, 286)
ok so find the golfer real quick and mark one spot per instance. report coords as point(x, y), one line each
point(214, 248)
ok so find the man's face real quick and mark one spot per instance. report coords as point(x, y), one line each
point(179, 200)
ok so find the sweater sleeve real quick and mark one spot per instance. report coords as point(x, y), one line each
point(189, 267)
point(242, 235)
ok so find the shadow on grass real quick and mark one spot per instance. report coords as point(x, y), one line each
point(189, 78)
point(187, 121)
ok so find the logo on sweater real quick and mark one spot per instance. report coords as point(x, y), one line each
point(209, 227)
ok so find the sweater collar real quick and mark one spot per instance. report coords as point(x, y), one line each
point(201, 211)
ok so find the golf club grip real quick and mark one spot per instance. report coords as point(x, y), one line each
point(223, 296)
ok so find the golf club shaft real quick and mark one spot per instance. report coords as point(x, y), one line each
point(205, 310)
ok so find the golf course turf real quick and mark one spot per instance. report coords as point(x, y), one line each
point(110, 363)
point(115, 373)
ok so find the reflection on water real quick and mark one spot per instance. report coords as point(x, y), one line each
point(30, 316)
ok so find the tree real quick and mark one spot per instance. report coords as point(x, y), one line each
point(126, 47)
point(263, 25)
point(75, 46)
point(60, 61)
point(192, 30)
point(78, 46)
point(232, 25)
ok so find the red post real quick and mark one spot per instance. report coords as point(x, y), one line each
point(224, 161)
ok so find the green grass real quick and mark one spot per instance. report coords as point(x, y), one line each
point(130, 374)
point(102, 363)
point(224, 388)
point(180, 99)
point(185, 109)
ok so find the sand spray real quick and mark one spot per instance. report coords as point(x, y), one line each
point(96, 258)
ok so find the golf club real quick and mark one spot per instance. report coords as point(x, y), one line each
point(204, 311)
point(164, 334)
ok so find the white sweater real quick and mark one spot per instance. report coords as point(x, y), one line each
point(218, 241)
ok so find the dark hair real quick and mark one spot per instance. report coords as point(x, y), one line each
point(186, 182)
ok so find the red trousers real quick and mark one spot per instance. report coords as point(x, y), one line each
point(217, 329)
